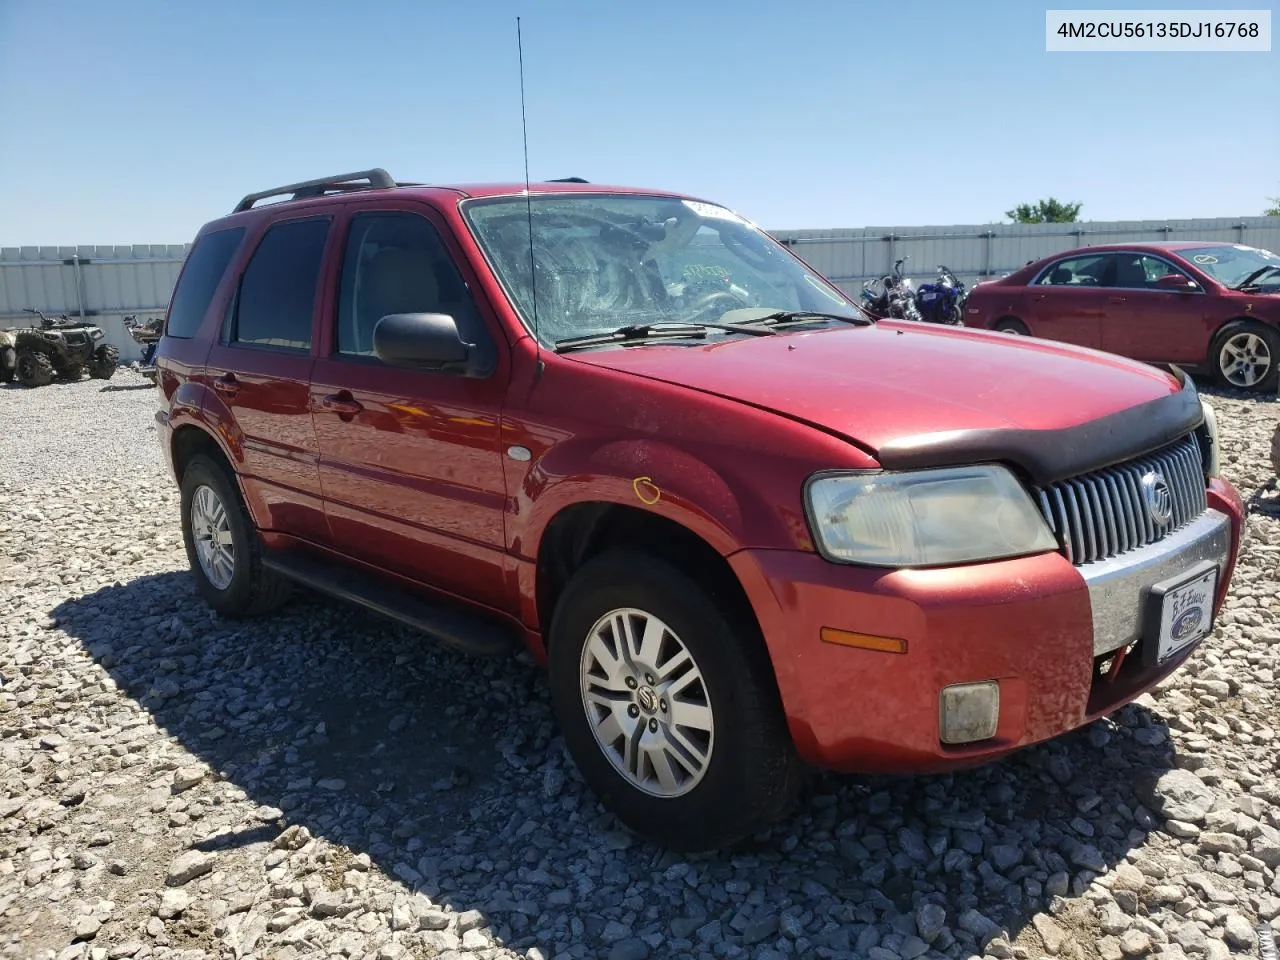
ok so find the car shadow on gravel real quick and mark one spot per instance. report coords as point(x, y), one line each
point(447, 772)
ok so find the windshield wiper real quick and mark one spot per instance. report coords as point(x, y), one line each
point(1255, 276)
point(779, 317)
point(668, 329)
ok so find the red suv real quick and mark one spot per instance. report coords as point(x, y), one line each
point(1210, 306)
point(744, 525)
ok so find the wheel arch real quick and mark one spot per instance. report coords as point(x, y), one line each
point(585, 530)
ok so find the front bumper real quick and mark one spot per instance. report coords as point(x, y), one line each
point(1038, 626)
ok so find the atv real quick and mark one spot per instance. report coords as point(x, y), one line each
point(146, 333)
point(61, 347)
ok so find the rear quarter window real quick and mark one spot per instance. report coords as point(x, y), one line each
point(203, 271)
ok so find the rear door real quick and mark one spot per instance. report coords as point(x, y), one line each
point(1068, 300)
point(260, 368)
point(409, 459)
point(1148, 323)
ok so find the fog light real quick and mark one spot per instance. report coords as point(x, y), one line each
point(969, 712)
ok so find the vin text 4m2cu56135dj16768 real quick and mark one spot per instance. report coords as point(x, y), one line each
point(745, 526)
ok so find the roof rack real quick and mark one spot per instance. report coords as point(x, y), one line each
point(377, 177)
point(568, 180)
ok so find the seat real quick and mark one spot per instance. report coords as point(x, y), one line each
point(396, 280)
point(1061, 275)
point(1130, 273)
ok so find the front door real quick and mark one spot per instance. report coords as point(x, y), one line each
point(409, 459)
point(260, 368)
point(1151, 323)
point(1068, 301)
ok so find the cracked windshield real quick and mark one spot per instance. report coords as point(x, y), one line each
point(603, 262)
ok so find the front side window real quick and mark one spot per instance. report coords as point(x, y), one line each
point(276, 303)
point(1088, 271)
point(598, 262)
point(1136, 271)
point(397, 263)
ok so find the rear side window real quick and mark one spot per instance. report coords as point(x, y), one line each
point(278, 289)
point(206, 263)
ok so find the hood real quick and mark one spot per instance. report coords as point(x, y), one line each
point(916, 395)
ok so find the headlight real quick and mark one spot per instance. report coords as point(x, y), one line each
point(1213, 455)
point(96, 334)
point(925, 518)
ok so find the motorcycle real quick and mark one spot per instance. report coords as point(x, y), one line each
point(891, 295)
point(943, 300)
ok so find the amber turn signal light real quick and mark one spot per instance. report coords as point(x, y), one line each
point(863, 641)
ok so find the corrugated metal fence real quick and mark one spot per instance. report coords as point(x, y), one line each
point(101, 284)
point(106, 284)
point(848, 257)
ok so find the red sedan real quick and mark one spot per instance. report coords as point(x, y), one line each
point(1212, 306)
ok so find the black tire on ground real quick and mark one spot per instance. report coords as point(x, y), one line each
point(752, 774)
point(252, 590)
point(8, 358)
point(105, 360)
point(33, 369)
point(1254, 343)
point(1011, 325)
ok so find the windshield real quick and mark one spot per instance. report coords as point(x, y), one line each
point(607, 261)
point(1231, 263)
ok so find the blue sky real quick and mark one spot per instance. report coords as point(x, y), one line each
point(134, 121)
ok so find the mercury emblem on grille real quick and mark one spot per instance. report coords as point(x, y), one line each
point(1159, 501)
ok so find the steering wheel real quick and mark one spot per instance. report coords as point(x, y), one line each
point(707, 303)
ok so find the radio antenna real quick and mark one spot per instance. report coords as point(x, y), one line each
point(528, 199)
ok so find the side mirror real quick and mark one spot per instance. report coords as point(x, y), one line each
point(428, 341)
point(1176, 281)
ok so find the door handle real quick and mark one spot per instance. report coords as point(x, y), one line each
point(342, 404)
point(226, 384)
point(1116, 299)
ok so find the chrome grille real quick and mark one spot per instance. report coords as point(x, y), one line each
point(1100, 514)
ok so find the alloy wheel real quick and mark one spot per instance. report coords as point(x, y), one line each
point(211, 531)
point(1245, 359)
point(646, 703)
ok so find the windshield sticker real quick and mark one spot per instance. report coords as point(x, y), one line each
point(1205, 258)
point(709, 211)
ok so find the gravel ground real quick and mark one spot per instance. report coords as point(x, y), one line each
point(324, 784)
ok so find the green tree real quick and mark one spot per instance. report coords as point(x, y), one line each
point(1045, 211)
point(1274, 209)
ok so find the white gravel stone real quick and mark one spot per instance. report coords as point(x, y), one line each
point(188, 788)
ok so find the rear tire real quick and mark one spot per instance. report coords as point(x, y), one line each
point(34, 369)
point(693, 754)
point(223, 547)
point(105, 360)
point(1013, 326)
point(1246, 356)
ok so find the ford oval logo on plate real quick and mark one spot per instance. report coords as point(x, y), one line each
point(1186, 623)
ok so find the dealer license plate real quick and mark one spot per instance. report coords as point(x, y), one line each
point(1186, 613)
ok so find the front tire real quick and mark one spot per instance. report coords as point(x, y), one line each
point(1246, 356)
point(668, 707)
point(222, 544)
point(105, 360)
